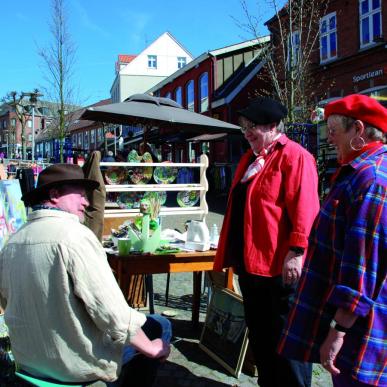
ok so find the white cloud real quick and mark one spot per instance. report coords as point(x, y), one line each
point(87, 22)
point(137, 23)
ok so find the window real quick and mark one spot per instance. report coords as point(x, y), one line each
point(74, 139)
point(13, 122)
point(179, 95)
point(4, 124)
point(181, 61)
point(86, 140)
point(168, 95)
point(328, 37)
point(190, 96)
point(92, 136)
point(29, 123)
point(152, 61)
point(99, 134)
point(203, 92)
point(370, 21)
point(293, 49)
point(80, 139)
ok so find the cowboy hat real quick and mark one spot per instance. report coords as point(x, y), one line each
point(55, 176)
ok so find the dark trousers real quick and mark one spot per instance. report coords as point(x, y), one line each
point(141, 370)
point(266, 303)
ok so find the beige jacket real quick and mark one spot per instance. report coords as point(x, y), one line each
point(66, 315)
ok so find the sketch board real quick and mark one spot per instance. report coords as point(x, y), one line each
point(224, 335)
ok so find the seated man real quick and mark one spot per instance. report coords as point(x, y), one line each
point(68, 319)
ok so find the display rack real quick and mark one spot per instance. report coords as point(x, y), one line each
point(113, 211)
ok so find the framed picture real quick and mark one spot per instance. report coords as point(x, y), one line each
point(224, 335)
point(12, 211)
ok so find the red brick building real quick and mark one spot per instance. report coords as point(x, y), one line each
point(352, 57)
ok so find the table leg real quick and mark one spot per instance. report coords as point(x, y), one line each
point(197, 287)
point(149, 290)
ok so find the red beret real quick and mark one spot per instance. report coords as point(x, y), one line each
point(360, 107)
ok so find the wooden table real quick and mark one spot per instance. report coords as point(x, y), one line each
point(195, 262)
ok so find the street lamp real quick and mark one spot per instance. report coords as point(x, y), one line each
point(33, 99)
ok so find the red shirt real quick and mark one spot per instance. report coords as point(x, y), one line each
point(281, 205)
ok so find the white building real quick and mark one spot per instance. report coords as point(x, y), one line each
point(138, 73)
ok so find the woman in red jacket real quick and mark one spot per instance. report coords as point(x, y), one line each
point(271, 207)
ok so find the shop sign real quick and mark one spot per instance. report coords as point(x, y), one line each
point(370, 74)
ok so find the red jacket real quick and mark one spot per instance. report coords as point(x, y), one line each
point(281, 205)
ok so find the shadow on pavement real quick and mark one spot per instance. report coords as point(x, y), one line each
point(182, 377)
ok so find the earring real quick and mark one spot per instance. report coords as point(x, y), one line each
point(357, 143)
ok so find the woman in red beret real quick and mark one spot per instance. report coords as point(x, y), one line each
point(339, 317)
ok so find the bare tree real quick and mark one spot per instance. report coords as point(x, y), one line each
point(295, 32)
point(59, 59)
point(18, 103)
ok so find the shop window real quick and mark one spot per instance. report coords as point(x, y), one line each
point(92, 136)
point(190, 95)
point(370, 12)
point(179, 95)
point(203, 90)
point(181, 61)
point(293, 49)
point(328, 37)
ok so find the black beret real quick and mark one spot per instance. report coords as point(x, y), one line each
point(264, 110)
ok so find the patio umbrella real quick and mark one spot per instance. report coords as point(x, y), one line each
point(148, 111)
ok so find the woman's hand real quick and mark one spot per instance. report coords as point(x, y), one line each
point(329, 350)
point(292, 268)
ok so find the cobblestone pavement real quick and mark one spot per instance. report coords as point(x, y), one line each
point(188, 365)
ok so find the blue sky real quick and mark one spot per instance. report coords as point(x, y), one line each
point(103, 29)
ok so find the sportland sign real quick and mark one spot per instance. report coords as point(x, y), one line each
point(369, 75)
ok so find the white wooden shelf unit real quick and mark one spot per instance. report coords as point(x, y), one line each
point(202, 187)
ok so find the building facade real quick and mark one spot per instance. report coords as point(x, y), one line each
point(352, 53)
point(218, 83)
point(350, 56)
point(11, 127)
point(137, 73)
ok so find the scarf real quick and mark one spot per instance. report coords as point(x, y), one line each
point(256, 166)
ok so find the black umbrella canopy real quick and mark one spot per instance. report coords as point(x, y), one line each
point(143, 109)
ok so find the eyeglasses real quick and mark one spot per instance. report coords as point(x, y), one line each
point(244, 129)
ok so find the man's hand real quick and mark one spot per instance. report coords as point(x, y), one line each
point(162, 349)
point(329, 350)
point(155, 349)
point(292, 268)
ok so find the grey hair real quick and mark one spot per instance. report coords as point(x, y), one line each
point(375, 134)
point(281, 127)
point(370, 132)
